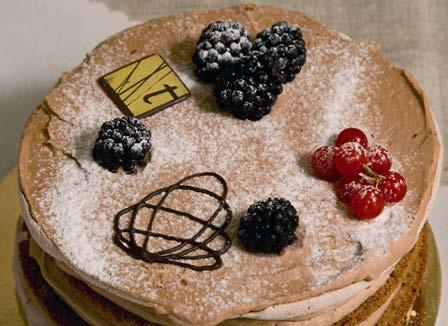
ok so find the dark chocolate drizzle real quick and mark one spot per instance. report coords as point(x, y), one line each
point(187, 248)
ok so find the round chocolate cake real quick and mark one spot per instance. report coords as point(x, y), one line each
point(203, 208)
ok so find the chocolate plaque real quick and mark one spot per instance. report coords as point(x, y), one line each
point(145, 86)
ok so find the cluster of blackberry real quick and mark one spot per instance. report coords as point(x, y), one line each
point(269, 226)
point(246, 90)
point(220, 45)
point(122, 142)
point(249, 76)
point(281, 51)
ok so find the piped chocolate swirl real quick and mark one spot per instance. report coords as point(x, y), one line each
point(194, 252)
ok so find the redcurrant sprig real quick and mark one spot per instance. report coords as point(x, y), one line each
point(366, 183)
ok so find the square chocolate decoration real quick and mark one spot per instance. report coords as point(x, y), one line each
point(145, 86)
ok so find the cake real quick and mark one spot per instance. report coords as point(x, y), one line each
point(76, 260)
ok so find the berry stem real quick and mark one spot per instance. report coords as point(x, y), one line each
point(367, 170)
point(377, 182)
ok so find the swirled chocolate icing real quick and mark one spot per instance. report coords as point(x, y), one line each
point(187, 250)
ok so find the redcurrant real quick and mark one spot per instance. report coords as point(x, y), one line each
point(350, 159)
point(367, 202)
point(393, 187)
point(379, 159)
point(351, 135)
point(348, 185)
point(322, 162)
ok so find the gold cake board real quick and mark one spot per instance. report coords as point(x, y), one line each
point(426, 306)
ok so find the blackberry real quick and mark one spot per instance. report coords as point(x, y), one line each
point(246, 90)
point(122, 142)
point(269, 226)
point(220, 44)
point(282, 50)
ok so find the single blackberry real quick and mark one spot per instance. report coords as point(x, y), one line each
point(246, 90)
point(269, 226)
point(282, 50)
point(122, 142)
point(220, 44)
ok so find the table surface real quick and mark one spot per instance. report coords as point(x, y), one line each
point(42, 38)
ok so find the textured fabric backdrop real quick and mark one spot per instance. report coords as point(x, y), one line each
point(413, 34)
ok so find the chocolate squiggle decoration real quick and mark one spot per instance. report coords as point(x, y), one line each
point(187, 248)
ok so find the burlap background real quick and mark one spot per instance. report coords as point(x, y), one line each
point(412, 34)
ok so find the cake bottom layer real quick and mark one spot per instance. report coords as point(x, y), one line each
point(78, 304)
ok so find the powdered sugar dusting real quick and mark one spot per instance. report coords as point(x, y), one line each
point(71, 227)
point(258, 160)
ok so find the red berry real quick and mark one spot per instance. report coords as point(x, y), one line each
point(367, 202)
point(350, 159)
point(393, 187)
point(379, 159)
point(322, 162)
point(348, 185)
point(351, 135)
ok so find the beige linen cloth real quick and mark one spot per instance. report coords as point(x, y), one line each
point(413, 34)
